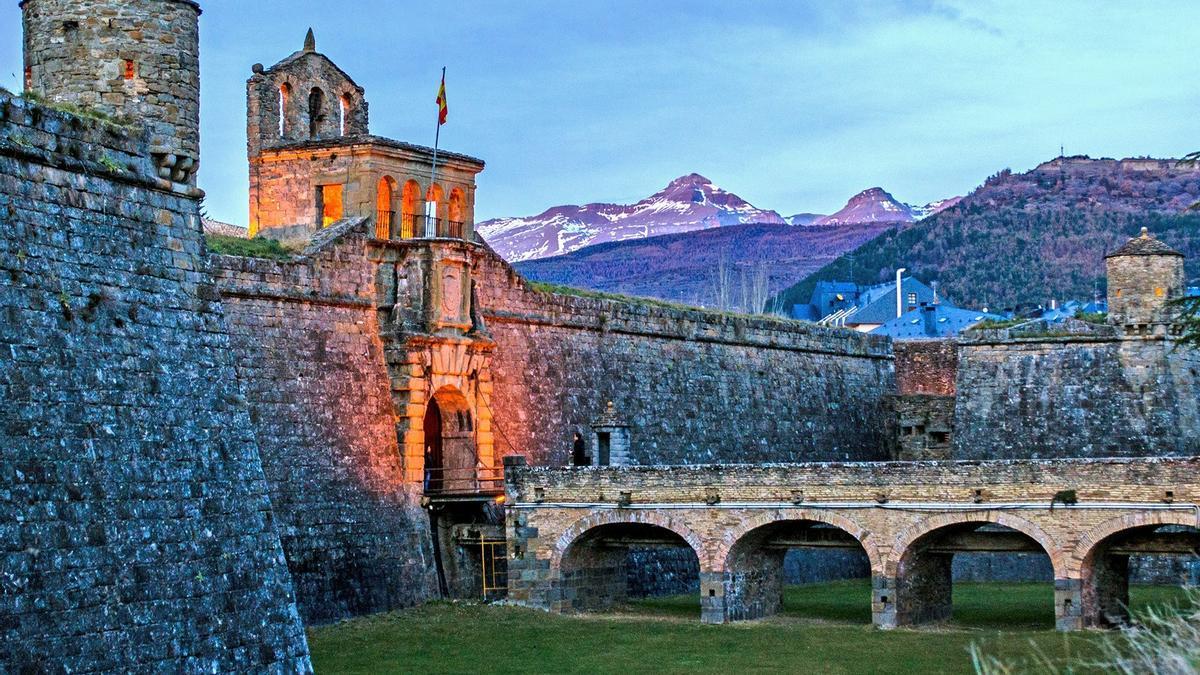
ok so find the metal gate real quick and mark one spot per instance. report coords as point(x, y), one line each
point(493, 561)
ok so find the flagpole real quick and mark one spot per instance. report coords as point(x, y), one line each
point(431, 223)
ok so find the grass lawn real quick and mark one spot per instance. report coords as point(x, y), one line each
point(823, 628)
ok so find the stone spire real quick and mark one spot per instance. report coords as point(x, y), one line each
point(310, 41)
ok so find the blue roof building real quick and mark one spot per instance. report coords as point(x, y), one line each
point(930, 321)
point(863, 308)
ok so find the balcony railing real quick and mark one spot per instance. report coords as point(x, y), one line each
point(479, 480)
point(413, 226)
point(383, 224)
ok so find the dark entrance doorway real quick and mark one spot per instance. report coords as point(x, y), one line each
point(433, 447)
point(579, 456)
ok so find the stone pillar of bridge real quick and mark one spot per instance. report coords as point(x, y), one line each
point(924, 584)
point(1105, 592)
point(712, 597)
point(883, 601)
point(753, 583)
point(1068, 604)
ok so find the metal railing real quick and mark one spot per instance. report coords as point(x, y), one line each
point(383, 224)
point(467, 480)
point(414, 226)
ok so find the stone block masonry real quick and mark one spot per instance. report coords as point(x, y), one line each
point(1077, 396)
point(138, 60)
point(137, 531)
point(928, 367)
point(694, 386)
point(310, 358)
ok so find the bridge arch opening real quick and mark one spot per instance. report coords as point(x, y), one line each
point(605, 566)
point(931, 587)
point(1144, 564)
point(765, 561)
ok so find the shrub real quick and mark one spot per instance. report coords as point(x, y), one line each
point(1164, 640)
point(994, 324)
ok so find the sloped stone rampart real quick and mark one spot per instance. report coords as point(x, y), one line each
point(135, 525)
point(309, 353)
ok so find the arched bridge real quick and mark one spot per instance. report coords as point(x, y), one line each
point(569, 529)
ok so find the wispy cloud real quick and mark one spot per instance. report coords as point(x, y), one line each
point(795, 105)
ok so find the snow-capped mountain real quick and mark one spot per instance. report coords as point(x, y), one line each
point(804, 218)
point(877, 205)
point(688, 203)
point(923, 212)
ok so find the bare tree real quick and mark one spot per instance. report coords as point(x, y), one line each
point(744, 294)
point(723, 284)
point(759, 289)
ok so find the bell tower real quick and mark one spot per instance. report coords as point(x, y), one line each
point(135, 60)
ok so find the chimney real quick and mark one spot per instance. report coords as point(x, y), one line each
point(929, 314)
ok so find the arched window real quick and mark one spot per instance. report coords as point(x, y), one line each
point(385, 213)
point(344, 113)
point(457, 209)
point(285, 96)
point(410, 197)
point(434, 211)
point(316, 113)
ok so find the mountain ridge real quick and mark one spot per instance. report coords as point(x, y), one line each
point(688, 203)
point(1022, 239)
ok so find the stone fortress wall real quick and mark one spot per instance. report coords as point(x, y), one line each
point(316, 348)
point(694, 386)
point(137, 530)
point(1085, 396)
point(252, 428)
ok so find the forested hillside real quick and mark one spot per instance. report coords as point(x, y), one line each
point(1027, 238)
point(724, 267)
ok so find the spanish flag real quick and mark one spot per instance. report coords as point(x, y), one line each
point(443, 109)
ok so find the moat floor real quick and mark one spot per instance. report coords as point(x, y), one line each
point(824, 628)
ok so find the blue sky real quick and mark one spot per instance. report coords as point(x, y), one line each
point(793, 105)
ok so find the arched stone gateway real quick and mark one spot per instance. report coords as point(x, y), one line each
point(908, 518)
point(447, 435)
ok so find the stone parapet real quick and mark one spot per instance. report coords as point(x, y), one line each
point(1093, 480)
point(41, 134)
